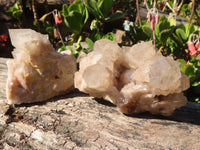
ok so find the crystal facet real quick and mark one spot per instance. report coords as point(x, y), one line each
point(37, 71)
point(136, 79)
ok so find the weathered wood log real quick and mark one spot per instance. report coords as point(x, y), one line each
point(78, 121)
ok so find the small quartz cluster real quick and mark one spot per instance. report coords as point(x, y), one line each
point(136, 79)
point(37, 71)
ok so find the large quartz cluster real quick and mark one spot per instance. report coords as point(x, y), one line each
point(37, 71)
point(136, 79)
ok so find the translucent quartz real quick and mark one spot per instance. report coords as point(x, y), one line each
point(136, 79)
point(37, 71)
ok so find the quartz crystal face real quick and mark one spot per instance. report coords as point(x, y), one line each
point(136, 79)
point(37, 71)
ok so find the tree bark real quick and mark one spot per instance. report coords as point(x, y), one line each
point(78, 121)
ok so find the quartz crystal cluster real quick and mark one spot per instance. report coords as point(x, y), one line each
point(37, 71)
point(136, 79)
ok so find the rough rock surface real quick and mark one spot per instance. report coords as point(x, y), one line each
point(136, 79)
point(77, 121)
point(37, 71)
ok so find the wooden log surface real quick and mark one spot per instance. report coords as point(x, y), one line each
point(78, 121)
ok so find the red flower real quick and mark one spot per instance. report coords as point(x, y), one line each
point(193, 48)
point(3, 38)
point(58, 18)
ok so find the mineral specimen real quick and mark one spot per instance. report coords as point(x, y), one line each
point(136, 79)
point(37, 71)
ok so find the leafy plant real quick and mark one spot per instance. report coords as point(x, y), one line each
point(170, 39)
point(100, 10)
point(75, 18)
point(15, 11)
point(192, 70)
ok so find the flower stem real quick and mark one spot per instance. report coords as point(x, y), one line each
point(138, 12)
point(154, 39)
point(193, 2)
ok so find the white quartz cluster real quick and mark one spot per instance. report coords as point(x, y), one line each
point(37, 71)
point(136, 79)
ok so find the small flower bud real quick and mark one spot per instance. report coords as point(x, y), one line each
point(152, 23)
point(43, 18)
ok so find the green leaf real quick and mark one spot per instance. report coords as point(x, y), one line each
point(157, 30)
point(110, 36)
point(147, 30)
point(86, 15)
point(181, 34)
point(17, 14)
point(182, 61)
point(77, 6)
point(93, 8)
point(49, 30)
point(190, 71)
point(172, 22)
point(163, 18)
point(164, 34)
point(105, 6)
point(115, 16)
point(90, 43)
point(63, 48)
point(182, 26)
point(163, 24)
point(65, 10)
point(176, 39)
point(196, 84)
point(16, 7)
point(189, 29)
point(74, 21)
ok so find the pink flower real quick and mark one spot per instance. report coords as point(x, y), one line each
point(153, 17)
point(193, 48)
point(58, 18)
point(152, 21)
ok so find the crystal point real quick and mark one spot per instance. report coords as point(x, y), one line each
point(136, 79)
point(37, 71)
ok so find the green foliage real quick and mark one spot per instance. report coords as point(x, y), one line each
point(100, 10)
point(147, 30)
point(75, 16)
point(49, 29)
point(90, 43)
point(110, 36)
point(170, 39)
point(192, 70)
point(15, 11)
point(63, 48)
